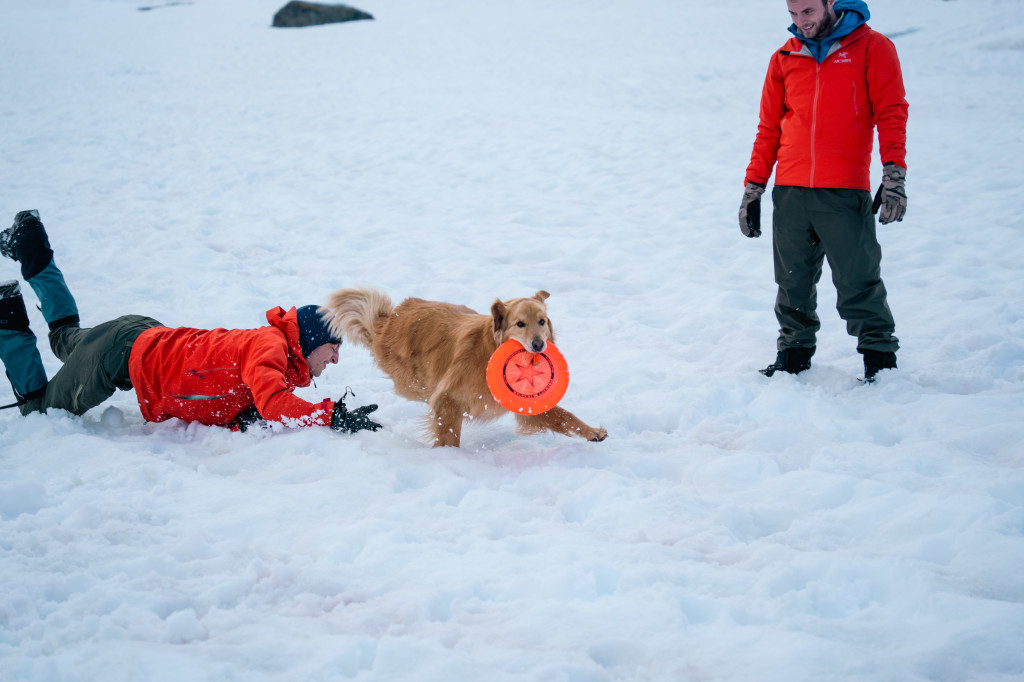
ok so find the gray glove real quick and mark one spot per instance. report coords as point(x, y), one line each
point(892, 194)
point(750, 210)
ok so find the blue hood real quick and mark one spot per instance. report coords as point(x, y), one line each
point(849, 15)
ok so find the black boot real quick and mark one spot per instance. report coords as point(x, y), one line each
point(875, 361)
point(25, 241)
point(791, 360)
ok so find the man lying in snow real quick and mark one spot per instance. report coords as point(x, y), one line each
point(223, 377)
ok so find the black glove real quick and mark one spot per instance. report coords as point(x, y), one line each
point(354, 420)
point(892, 194)
point(247, 418)
point(750, 210)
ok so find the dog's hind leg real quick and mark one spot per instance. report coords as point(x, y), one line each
point(447, 422)
point(560, 421)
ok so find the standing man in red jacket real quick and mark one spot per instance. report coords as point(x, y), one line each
point(222, 377)
point(827, 90)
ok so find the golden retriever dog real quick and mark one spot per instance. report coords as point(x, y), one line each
point(438, 352)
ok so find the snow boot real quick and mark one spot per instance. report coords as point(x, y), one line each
point(875, 361)
point(26, 242)
point(791, 360)
point(18, 350)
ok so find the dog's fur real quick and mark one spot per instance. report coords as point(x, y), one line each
point(438, 352)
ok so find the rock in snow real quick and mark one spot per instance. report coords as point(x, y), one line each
point(297, 14)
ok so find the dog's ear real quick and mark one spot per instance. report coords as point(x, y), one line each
point(542, 295)
point(498, 315)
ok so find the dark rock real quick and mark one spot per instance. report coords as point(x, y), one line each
point(298, 13)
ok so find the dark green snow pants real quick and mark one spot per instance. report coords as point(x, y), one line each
point(95, 363)
point(809, 225)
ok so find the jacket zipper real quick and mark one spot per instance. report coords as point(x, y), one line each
point(202, 373)
point(814, 121)
point(804, 52)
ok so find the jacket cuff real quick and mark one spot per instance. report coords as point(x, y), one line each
point(325, 409)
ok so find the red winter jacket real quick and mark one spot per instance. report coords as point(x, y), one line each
point(818, 120)
point(211, 375)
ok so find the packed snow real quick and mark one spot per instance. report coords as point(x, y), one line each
point(193, 164)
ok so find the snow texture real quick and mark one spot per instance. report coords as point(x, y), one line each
point(193, 164)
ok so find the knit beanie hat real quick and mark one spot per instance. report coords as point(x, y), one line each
point(313, 331)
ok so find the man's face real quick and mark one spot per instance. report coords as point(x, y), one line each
point(813, 18)
point(324, 355)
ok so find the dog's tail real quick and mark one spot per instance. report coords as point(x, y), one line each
point(352, 314)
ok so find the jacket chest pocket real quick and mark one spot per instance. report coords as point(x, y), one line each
point(209, 383)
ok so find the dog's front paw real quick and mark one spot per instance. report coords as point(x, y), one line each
point(595, 435)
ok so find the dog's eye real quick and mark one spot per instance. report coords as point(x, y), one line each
point(520, 324)
point(541, 323)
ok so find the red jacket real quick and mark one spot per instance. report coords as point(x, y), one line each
point(818, 120)
point(211, 375)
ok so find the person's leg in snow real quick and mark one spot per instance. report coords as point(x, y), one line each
point(798, 258)
point(97, 364)
point(27, 243)
point(95, 359)
point(18, 350)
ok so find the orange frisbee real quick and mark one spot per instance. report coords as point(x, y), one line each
point(525, 382)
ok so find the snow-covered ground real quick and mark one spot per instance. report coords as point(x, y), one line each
point(193, 164)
